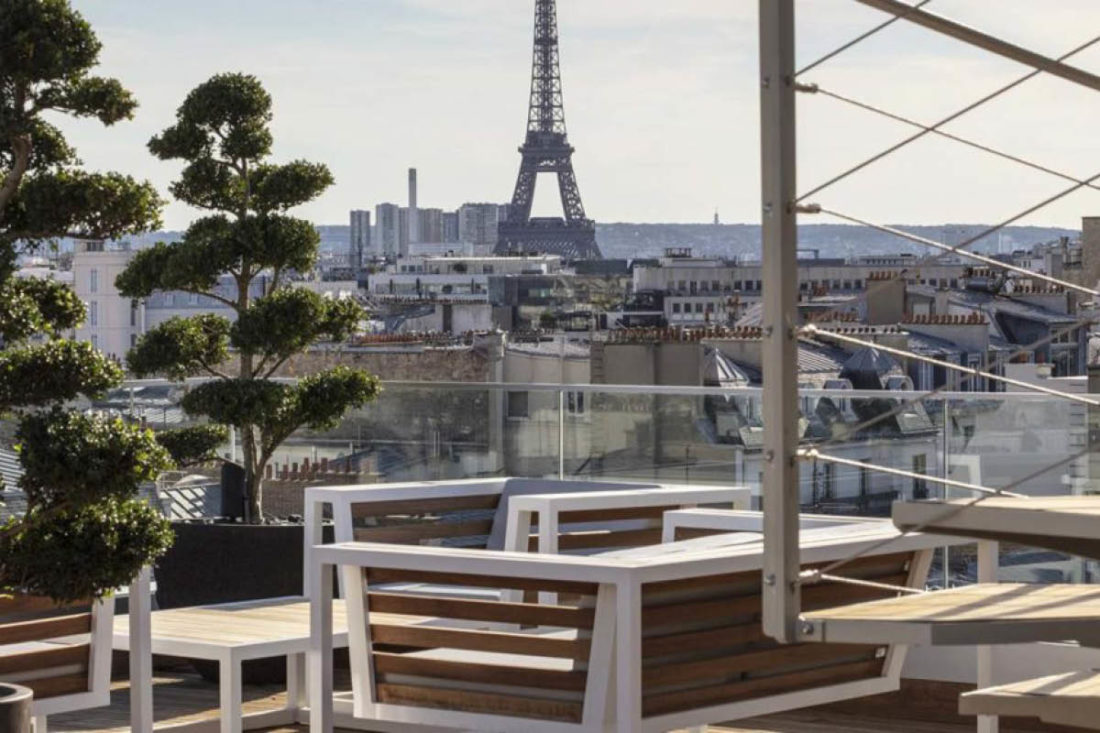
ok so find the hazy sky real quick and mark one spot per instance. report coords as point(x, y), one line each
point(661, 101)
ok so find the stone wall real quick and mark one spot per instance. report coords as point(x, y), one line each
point(417, 364)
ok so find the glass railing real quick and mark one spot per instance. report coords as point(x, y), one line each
point(1031, 443)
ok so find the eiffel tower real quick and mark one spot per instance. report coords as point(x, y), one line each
point(547, 150)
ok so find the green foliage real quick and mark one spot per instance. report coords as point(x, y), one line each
point(32, 306)
point(54, 372)
point(181, 347)
point(86, 552)
point(288, 321)
point(195, 445)
point(74, 203)
point(74, 459)
point(240, 402)
point(222, 135)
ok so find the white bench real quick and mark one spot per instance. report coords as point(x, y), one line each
point(689, 611)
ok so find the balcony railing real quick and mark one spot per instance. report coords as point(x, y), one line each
point(436, 431)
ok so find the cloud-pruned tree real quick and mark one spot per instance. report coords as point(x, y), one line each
point(222, 134)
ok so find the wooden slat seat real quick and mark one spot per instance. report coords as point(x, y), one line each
point(703, 644)
point(484, 656)
point(1070, 698)
point(1061, 523)
point(977, 614)
point(46, 646)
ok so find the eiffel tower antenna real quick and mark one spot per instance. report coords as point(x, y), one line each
point(546, 149)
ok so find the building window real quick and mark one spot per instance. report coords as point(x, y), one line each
point(828, 492)
point(574, 403)
point(133, 340)
point(133, 313)
point(710, 307)
point(93, 281)
point(95, 341)
point(714, 285)
point(675, 307)
point(698, 307)
point(517, 405)
point(93, 313)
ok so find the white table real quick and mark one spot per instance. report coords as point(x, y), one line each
point(230, 634)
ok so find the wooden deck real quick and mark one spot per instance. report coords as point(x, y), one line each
point(183, 697)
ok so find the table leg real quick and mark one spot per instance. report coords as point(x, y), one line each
point(295, 681)
point(229, 673)
point(141, 655)
point(320, 650)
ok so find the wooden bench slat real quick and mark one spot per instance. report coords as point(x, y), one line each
point(727, 665)
point(475, 610)
point(41, 630)
point(428, 637)
point(23, 607)
point(67, 684)
point(480, 702)
point(45, 659)
point(671, 702)
point(709, 639)
point(383, 575)
point(748, 605)
point(493, 674)
point(414, 507)
point(865, 568)
point(416, 532)
point(622, 538)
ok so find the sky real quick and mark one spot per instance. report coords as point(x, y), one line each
point(661, 98)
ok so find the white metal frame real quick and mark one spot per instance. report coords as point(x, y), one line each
point(620, 578)
point(98, 693)
point(548, 507)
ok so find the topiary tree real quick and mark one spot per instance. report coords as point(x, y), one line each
point(84, 532)
point(222, 134)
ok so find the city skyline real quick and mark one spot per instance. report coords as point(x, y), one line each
point(660, 103)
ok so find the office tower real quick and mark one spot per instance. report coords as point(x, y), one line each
point(478, 223)
point(359, 243)
point(430, 226)
point(388, 220)
point(450, 226)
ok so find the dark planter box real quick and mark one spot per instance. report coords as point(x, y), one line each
point(223, 563)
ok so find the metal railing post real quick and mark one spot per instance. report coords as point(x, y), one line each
point(781, 597)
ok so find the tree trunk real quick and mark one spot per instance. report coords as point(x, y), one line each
point(252, 477)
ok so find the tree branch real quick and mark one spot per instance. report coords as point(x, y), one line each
point(21, 149)
point(276, 366)
point(220, 299)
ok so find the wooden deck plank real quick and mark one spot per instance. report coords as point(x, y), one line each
point(184, 698)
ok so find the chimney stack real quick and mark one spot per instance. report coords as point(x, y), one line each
point(414, 215)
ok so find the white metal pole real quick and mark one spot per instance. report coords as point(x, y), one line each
point(781, 597)
point(988, 560)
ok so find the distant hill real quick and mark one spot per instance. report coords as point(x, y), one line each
point(630, 241)
point(627, 241)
